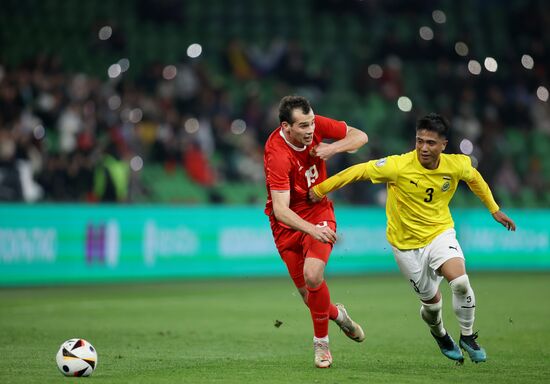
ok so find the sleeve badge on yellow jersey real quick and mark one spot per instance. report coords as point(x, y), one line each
point(381, 162)
point(446, 186)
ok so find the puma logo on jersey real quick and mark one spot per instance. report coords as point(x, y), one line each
point(455, 248)
point(415, 184)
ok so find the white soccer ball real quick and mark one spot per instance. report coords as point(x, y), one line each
point(76, 357)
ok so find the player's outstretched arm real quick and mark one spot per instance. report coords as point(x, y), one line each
point(353, 140)
point(357, 172)
point(480, 188)
point(503, 219)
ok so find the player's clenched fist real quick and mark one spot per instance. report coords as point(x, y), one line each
point(323, 150)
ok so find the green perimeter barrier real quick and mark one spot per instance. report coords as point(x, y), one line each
point(64, 243)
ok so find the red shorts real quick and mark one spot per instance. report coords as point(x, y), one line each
point(294, 246)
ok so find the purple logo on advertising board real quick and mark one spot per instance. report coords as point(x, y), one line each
point(102, 243)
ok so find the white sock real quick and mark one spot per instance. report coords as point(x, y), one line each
point(340, 317)
point(320, 339)
point(464, 303)
point(431, 314)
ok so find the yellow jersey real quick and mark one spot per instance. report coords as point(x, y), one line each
point(417, 206)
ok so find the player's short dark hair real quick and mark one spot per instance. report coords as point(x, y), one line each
point(435, 123)
point(290, 103)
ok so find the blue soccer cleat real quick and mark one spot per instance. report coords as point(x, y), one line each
point(469, 344)
point(449, 348)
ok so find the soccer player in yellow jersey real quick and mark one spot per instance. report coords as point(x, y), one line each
point(420, 228)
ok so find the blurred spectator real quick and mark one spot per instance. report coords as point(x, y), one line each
point(197, 166)
point(391, 82)
point(237, 61)
point(69, 125)
point(535, 178)
point(266, 60)
point(10, 181)
point(211, 114)
point(507, 178)
point(540, 113)
point(466, 123)
point(112, 176)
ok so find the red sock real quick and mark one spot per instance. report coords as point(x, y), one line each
point(319, 304)
point(332, 310)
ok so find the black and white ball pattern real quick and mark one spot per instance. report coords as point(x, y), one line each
point(76, 357)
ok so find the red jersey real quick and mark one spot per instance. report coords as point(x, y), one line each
point(289, 168)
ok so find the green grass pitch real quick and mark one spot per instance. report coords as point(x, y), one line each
point(223, 332)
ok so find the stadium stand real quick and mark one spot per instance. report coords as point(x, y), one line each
point(81, 80)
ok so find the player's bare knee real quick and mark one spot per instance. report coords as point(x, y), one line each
point(313, 280)
point(460, 285)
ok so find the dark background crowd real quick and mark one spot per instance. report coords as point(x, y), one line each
point(172, 100)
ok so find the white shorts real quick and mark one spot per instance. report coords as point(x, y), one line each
point(420, 265)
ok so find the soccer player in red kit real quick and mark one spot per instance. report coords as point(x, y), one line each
point(304, 233)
